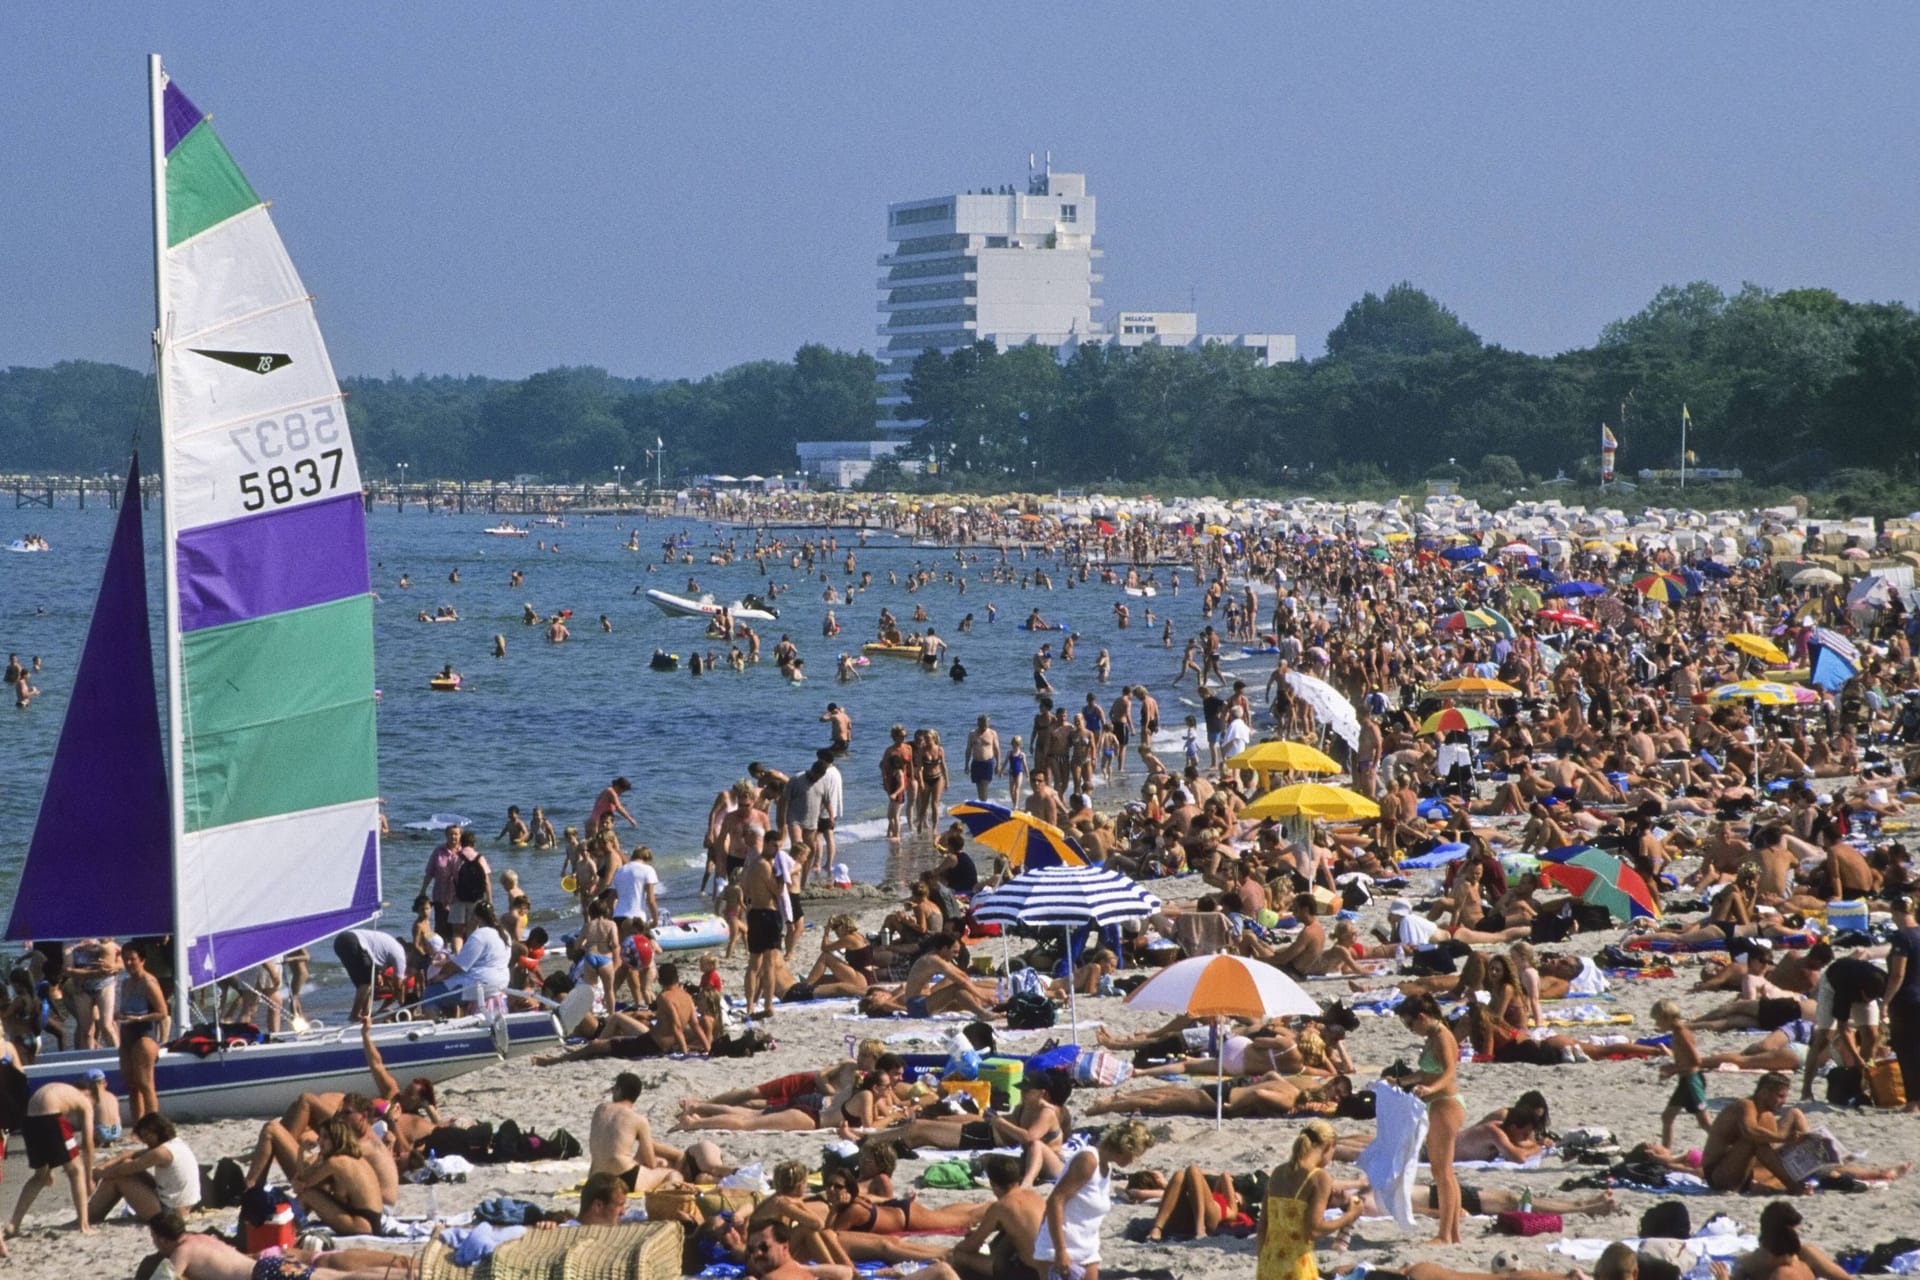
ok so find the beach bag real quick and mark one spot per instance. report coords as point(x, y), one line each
point(1885, 1083)
point(1101, 1068)
point(1029, 1011)
point(1846, 1087)
point(1668, 1220)
point(1526, 1222)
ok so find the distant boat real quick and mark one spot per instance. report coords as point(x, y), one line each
point(505, 531)
point(247, 823)
point(707, 607)
point(29, 544)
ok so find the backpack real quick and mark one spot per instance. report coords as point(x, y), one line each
point(1846, 1087)
point(1030, 1010)
point(470, 881)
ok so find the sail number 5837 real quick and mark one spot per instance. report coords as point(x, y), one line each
point(278, 486)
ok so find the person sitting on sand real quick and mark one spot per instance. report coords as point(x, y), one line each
point(620, 1141)
point(1517, 1133)
point(1039, 1126)
point(1007, 1229)
point(1742, 1151)
point(162, 1175)
point(935, 984)
point(338, 1186)
point(1782, 1254)
point(1192, 1203)
point(675, 1028)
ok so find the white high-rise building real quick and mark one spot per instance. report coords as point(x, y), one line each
point(1010, 266)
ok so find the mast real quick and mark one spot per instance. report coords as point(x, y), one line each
point(176, 794)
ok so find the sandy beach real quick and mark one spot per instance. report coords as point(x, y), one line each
point(1625, 1097)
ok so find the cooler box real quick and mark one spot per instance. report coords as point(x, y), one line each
point(1003, 1076)
point(1846, 914)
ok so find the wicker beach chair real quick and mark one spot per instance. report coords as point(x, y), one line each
point(630, 1251)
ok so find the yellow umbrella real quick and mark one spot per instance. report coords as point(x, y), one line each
point(1284, 757)
point(1473, 684)
point(1757, 647)
point(1312, 800)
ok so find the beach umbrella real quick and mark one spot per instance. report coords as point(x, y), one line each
point(1518, 549)
point(1596, 876)
point(1462, 555)
point(1455, 720)
point(1714, 569)
point(1766, 693)
point(1328, 703)
point(1312, 800)
point(1218, 987)
point(1663, 587)
point(1069, 897)
point(1541, 574)
point(1757, 647)
point(1468, 620)
point(1524, 596)
point(1284, 757)
point(1567, 618)
point(1475, 685)
point(1023, 840)
point(1574, 589)
point(1816, 577)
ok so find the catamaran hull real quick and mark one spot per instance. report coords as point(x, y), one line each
point(259, 1080)
point(681, 607)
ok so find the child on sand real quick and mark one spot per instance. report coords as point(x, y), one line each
point(1690, 1093)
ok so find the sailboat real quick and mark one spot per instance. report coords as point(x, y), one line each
point(256, 831)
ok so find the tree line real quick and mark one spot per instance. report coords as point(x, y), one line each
point(1793, 387)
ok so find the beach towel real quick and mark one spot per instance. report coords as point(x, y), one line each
point(1587, 1015)
point(1589, 981)
point(1438, 856)
point(1391, 1160)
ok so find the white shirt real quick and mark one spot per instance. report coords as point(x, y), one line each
point(383, 949)
point(630, 884)
point(783, 868)
point(1235, 738)
point(831, 788)
point(178, 1182)
point(483, 958)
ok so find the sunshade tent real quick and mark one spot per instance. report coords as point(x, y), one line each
point(1223, 986)
point(1596, 876)
point(1068, 897)
point(1758, 647)
point(1283, 757)
point(1456, 720)
point(1312, 800)
point(1023, 840)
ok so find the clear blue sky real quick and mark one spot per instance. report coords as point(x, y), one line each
point(668, 189)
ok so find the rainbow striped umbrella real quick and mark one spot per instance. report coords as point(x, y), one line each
point(1662, 587)
point(1456, 720)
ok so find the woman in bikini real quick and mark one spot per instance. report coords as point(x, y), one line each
point(1435, 1081)
point(851, 1209)
point(845, 967)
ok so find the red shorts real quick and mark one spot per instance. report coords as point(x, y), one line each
point(781, 1092)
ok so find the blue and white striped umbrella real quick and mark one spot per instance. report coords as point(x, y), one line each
point(1066, 896)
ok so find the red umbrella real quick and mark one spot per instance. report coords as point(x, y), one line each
point(1568, 618)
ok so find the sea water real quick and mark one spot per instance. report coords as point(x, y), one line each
point(551, 724)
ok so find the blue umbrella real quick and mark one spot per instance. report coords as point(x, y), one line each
point(1564, 590)
point(1714, 569)
point(1540, 573)
point(1460, 555)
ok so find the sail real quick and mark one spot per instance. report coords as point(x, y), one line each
point(107, 762)
point(278, 844)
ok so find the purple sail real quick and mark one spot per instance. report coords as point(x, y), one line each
point(101, 860)
point(179, 114)
point(216, 954)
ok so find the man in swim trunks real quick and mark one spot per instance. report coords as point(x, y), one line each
point(896, 775)
point(765, 925)
point(983, 755)
point(620, 1141)
point(1743, 1147)
point(59, 1133)
point(1008, 1229)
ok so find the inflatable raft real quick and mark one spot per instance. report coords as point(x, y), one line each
point(878, 650)
point(691, 933)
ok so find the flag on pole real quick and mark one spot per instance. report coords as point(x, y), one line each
point(1607, 443)
point(659, 443)
point(1686, 418)
point(1607, 447)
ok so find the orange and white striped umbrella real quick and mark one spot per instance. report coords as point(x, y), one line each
point(1223, 986)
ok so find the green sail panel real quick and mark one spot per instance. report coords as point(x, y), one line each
point(279, 714)
point(204, 186)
